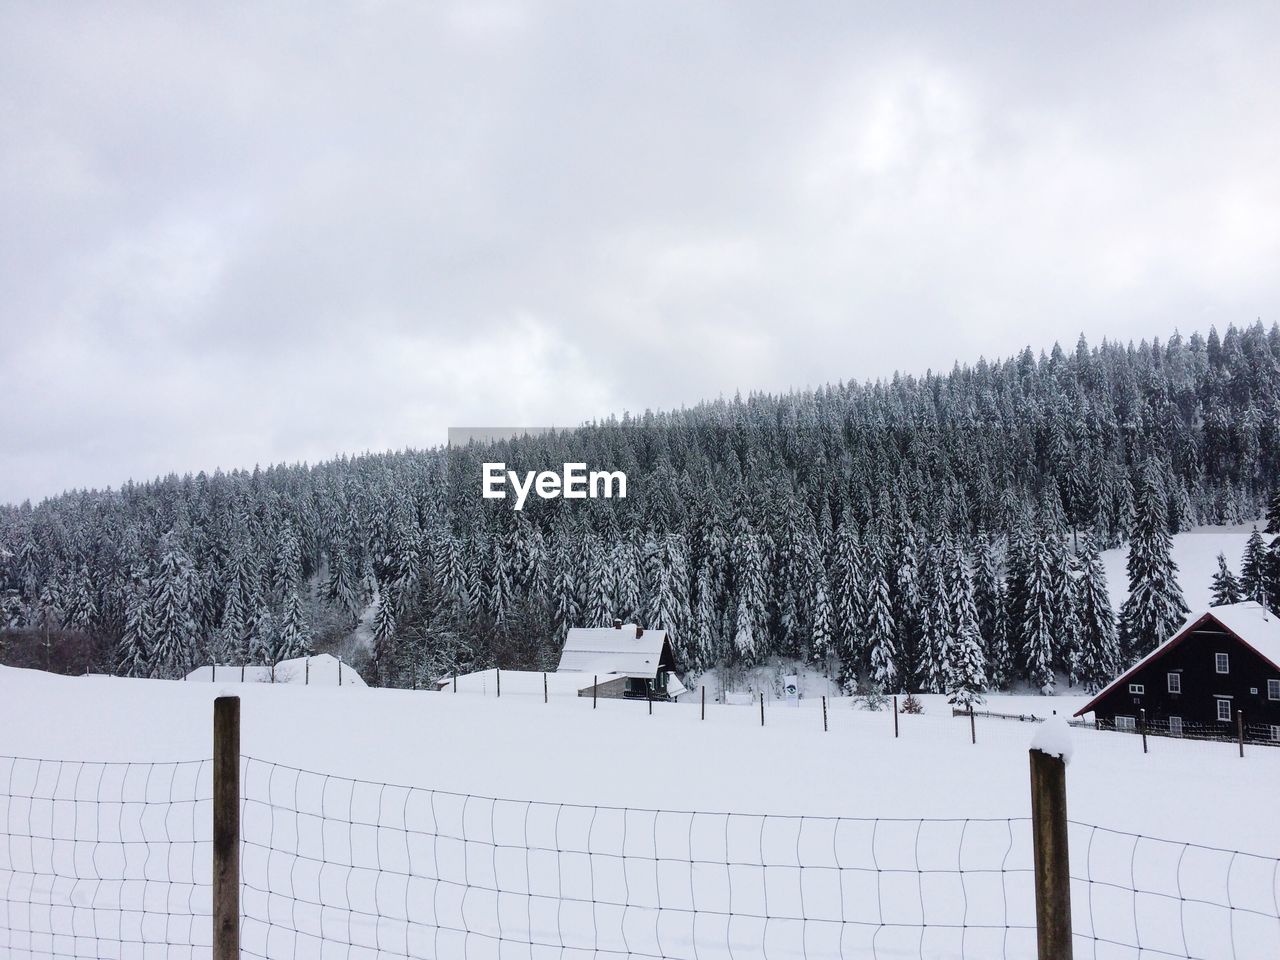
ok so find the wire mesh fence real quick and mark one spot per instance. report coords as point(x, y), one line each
point(114, 860)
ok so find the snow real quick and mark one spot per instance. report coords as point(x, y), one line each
point(728, 768)
point(1253, 623)
point(1054, 738)
point(320, 670)
point(1195, 552)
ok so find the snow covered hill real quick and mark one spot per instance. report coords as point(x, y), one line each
point(1196, 554)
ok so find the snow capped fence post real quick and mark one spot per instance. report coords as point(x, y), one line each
point(226, 828)
point(648, 693)
point(1050, 751)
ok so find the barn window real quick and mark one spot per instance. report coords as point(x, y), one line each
point(1224, 709)
point(1221, 663)
point(1126, 723)
point(1175, 726)
point(1175, 683)
point(1275, 731)
point(1137, 688)
point(1273, 689)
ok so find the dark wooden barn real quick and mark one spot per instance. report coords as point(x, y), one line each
point(1222, 667)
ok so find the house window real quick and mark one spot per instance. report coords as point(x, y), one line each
point(1137, 688)
point(1175, 725)
point(1126, 723)
point(1224, 709)
point(1221, 663)
point(1273, 689)
point(1175, 683)
point(1275, 731)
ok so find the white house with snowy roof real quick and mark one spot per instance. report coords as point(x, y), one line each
point(620, 662)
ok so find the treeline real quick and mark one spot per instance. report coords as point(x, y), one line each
point(934, 533)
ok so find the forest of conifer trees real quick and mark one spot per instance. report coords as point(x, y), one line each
point(937, 533)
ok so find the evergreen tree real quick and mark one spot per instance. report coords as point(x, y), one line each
point(966, 661)
point(1155, 607)
point(295, 636)
point(1226, 588)
point(1099, 659)
point(1254, 570)
point(881, 650)
point(1036, 628)
point(173, 630)
point(138, 642)
point(989, 603)
point(384, 635)
point(749, 619)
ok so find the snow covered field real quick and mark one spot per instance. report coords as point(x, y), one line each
point(796, 843)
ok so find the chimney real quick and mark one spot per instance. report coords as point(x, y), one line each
point(617, 624)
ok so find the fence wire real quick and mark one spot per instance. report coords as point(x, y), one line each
point(105, 860)
point(114, 860)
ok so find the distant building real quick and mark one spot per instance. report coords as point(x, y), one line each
point(619, 662)
point(321, 670)
point(1223, 660)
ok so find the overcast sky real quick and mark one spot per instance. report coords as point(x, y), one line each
point(243, 234)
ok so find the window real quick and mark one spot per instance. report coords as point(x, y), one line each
point(1137, 688)
point(1275, 731)
point(1175, 725)
point(1224, 709)
point(1220, 663)
point(1273, 689)
point(1126, 723)
point(1175, 683)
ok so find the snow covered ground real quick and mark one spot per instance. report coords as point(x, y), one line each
point(1196, 554)
point(795, 843)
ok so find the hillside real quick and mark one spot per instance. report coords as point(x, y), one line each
point(889, 531)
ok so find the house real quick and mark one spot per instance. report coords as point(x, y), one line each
point(619, 662)
point(629, 661)
point(1222, 663)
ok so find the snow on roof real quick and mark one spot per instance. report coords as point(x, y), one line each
point(1250, 621)
point(321, 671)
point(613, 650)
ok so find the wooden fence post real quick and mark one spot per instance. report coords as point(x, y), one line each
point(226, 828)
point(544, 687)
point(497, 675)
point(762, 708)
point(895, 718)
point(1240, 730)
point(595, 687)
point(1049, 847)
point(455, 681)
point(339, 671)
point(306, 682)
point(1142, 723)
point(824, 714)
point(973, 726)
point(648, 692)
point(704, 701)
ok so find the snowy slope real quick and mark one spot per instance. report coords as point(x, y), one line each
point(560, 867)
point(1196, 554)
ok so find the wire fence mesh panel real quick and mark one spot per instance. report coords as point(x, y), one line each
point(113, 860)
point(336, 867)
point(104, 860)
point(1135, 897)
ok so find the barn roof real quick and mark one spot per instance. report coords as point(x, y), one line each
point(1249, 622)
point(606, 650)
